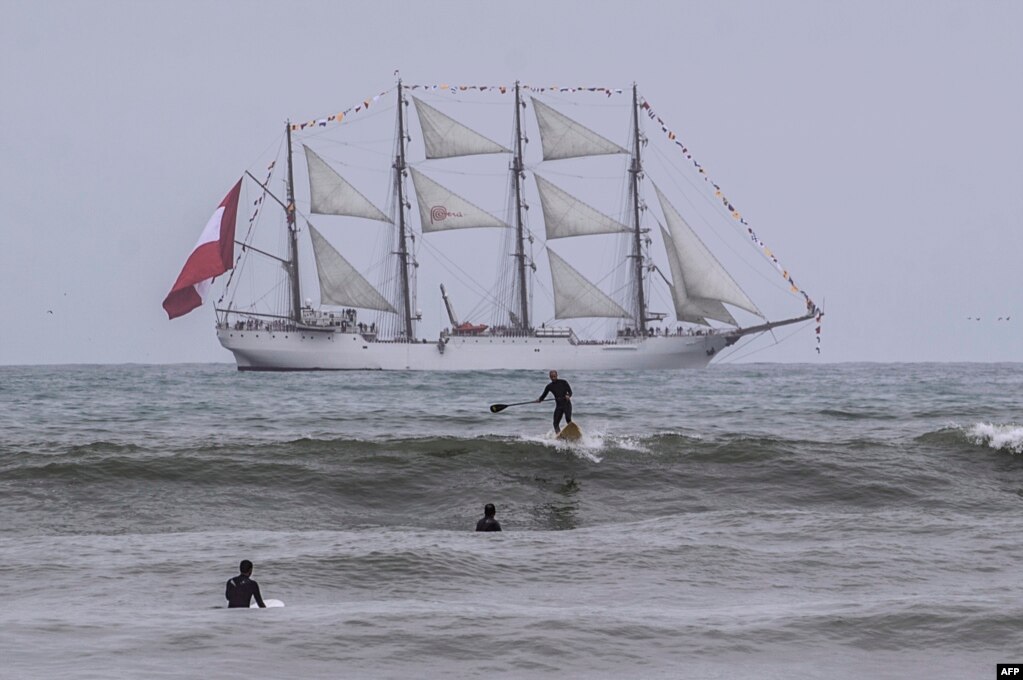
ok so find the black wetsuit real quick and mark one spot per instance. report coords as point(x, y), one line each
point(562, 404)
point(488, 524)
point(240, 591)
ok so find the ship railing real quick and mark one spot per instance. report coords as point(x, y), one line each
point(554, 332)
point(666, 332)
point(232, 319)
point(255, 324)
point(504, 332)
point(369, 337)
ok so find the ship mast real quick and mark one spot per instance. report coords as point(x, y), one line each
point(399, 174)
point(520, 246)
point(635, 169)
point(292, 264)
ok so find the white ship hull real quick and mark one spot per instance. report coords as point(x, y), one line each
point(332, 350)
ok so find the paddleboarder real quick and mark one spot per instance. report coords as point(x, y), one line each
point(562, 400)
point(241, 589)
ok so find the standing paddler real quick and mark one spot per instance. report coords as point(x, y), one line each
point(562, 392)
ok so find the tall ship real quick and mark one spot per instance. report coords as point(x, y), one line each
point(362, 218)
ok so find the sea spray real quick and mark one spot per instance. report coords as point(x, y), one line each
point(1000, 437)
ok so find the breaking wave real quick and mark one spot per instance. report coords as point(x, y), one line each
point(999, 437)
point(1007, 437)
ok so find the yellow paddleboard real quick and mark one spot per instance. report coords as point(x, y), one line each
point(570, 433)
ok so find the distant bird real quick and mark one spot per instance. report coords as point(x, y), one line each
point(49, 311)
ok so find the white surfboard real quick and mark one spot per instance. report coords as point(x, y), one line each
point(268, 603)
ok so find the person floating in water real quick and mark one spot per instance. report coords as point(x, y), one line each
point(562, 400)
point(241, 589)
point(488, 523)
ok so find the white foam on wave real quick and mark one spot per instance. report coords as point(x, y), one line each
point(1000, 437)
point(590, 445)
point(585, 447)
point(596, 436)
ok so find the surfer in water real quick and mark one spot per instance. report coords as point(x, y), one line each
point(241, 589)
point(562, 400)
point(489, 522)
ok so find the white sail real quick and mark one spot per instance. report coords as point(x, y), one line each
point(686, 308)
point(562, 137)
point(331, 194)
point(340, 283)
point(565, 215)
point(445, 137)
point(703, 276)
point(575, 297)
point(441, 209)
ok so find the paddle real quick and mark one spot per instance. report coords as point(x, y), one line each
point(497, 408)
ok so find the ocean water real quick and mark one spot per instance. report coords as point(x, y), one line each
point(848, 521)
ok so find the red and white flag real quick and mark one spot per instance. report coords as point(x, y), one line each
point(212, 256)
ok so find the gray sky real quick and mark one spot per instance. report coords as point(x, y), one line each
point(874, 146)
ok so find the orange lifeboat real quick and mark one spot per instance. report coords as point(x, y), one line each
point(469, 328)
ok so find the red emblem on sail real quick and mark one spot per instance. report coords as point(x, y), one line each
point(439, 213)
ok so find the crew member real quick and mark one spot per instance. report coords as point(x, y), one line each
point(488, 523)
point(562, 399)
point(241, 589)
